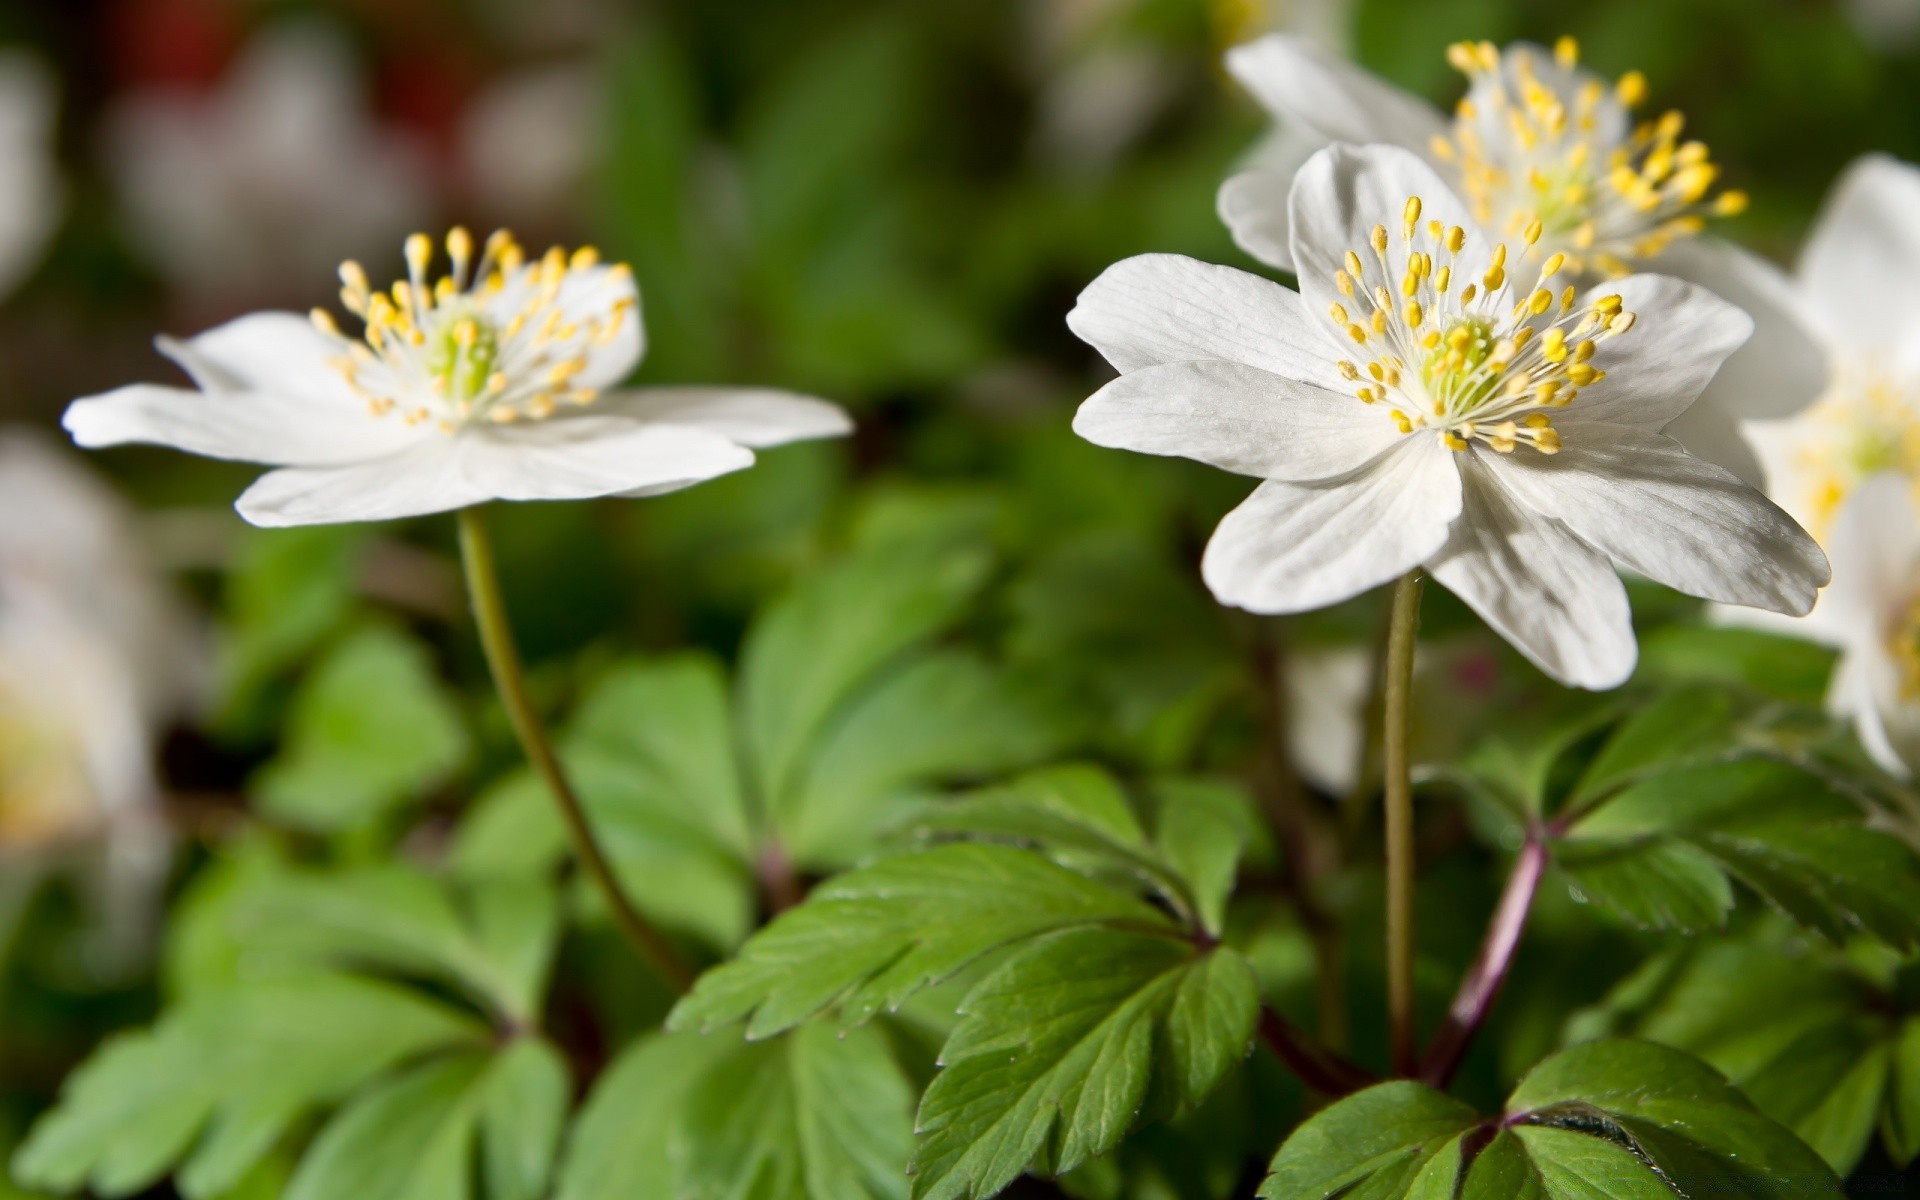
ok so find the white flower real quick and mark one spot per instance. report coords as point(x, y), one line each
point(1416, 406)
point(1859, 283)
point(95, 660)
point(1538, 140)
point(1872, 614)
point(483, 384)
point(276, 175)
point(29, 186)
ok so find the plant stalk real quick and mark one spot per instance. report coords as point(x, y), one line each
point(1397, 711)
point(1317, 1067)
point(509, 678)
point(1481, 986)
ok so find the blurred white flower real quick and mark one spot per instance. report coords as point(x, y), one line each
point(1327, 688)
point(1105, 78)
point(1502, 433)
point(1859, 283)
point(30, 191)
point(1892, 24)
point(95, 661)
point(528, 143)
point(1540, 141)
point(1872, 615)
point(483, 384)
point(274, 176)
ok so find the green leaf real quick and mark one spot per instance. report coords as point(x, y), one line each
point(1080, 815)
point(944, 715)
point(869, 939)
point(1822, 1055)
point(650, 751)
point(409, 1139)
point(1068, 1045)
point(685, 1117)
point(1649, 850)
point(223, 1076)
point(808, 653)
point(370, 728)
point(1203, 829)
point(1622, 1119)
point(523, 1110)
point(288, 590)
point(1681, 727)
point(1382, 1138)
point(494, 941)
point(1790, 668)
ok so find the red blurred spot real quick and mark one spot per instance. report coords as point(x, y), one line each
point(171, 42)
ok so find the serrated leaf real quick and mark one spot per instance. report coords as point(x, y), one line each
point(1618, 1119)
point(1790, 668)
point(1062, 1050)
point(689, 1117)
point(1786, 833)
point(946, 714)
point(371, 727)
point(494, 941)
point(242, 1065)
point(1202, 830)
point(650, 750)
point(1821, 1055)
point(867, 940)
point(811, 650)
point(1679, 728)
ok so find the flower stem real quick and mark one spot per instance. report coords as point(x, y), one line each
point(1403, 630)
point(509, 678)
point(1319, 1068)
point(1481, 986)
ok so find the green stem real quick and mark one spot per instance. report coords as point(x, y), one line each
point(509, 678)
point(1397, 711)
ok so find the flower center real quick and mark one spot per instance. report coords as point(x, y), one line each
point(1560, 154)
point(497, 340)
point(1864, 425)
point(1487, 366)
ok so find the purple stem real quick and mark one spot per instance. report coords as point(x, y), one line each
point(1484, 979)
point(1317, 1067)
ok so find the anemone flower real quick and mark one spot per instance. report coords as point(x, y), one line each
point(1858, 280)
point(1541, 143)
point(489, 382)
point(1415, 406)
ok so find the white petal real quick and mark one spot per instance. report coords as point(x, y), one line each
point(1297, 81)
point(1253, 206)
point(1327, 690)
point(1866, 687)
point(1861, 266)
point(1164, 308)
point(1680, 336)
point(576, 458)
point(567, 458)
point(1875, 547)
point(1657, 510)
point(257, 427)
point(1554, 597)
point(276, 352)
point(424, 478)
point(586, 295)
point(754, 417)
point(1780, 370)
point(1338, 198)
point(1238, 418)
point(1293, 547)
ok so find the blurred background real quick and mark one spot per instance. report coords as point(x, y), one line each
point(891, 203)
